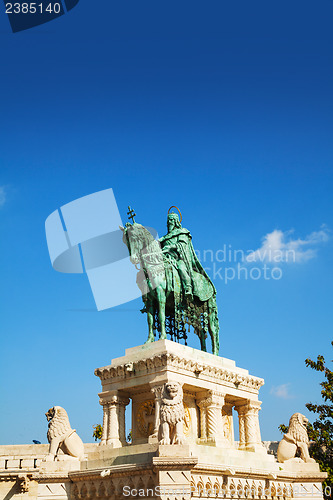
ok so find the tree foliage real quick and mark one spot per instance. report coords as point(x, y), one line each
point(98, 431)
point(321, 431)
point(283, 428)
point(97, 434)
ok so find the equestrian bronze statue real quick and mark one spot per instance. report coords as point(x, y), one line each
point(176, 290)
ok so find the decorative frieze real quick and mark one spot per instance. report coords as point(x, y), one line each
point(151, 364)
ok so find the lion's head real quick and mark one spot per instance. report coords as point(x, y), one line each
point(172, 408)
point(58, 422)
point(298, 428)
point(172, 389)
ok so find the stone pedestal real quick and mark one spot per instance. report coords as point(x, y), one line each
point(212, 387)
point(209, 465)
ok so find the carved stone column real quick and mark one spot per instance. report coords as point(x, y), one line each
point(203, 420)
point(249, 429)
point(241, 410)
point(157, 391)
point(105, 405)
point(113, 424)
point(252, 428)
point(122, 403)
point(114, 421)
point(211, 418)
point(227, 423)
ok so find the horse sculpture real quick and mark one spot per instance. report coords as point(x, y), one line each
point(167, 307)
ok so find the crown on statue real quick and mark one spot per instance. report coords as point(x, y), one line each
point(173, 215)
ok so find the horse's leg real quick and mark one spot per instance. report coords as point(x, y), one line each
point(202, 337)
point(150, 319)
point(213, 326)
point(161, 299)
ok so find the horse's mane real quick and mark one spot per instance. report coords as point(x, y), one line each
point(137, 232)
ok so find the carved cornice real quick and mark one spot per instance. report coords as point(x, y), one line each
point(174, 463)
point(229, 377)
point(250, 472)
point(50, 477)
point(125, 470)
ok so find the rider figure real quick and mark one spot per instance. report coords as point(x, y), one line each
point(178, 246)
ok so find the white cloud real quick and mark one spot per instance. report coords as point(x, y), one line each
point(2, 196)
point(278, 246)
point(281, 391)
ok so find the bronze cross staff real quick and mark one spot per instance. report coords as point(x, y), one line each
point(131, 213)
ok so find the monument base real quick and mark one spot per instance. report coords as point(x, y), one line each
point(209, 462)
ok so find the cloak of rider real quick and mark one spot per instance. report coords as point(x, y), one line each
point(177, 245)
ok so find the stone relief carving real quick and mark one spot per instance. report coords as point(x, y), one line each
point(146, 418)
point(61, 436)
point(23, 483)
point(295, 439)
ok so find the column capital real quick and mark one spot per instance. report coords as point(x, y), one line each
point(123, 400)
point(211, 398)
point(157, 390)
point(114, 399)
point(248, 406)
point(253, 406)
point(103, 402)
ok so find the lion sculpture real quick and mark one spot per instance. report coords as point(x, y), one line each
point(61, 436)
point(295, 439)
point(172, 414)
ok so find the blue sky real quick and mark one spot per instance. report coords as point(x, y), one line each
point(223, 109)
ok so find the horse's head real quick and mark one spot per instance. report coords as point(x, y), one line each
point(137, 238)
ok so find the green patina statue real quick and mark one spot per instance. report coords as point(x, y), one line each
point(176, 289)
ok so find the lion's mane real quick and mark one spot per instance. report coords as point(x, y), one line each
point(172, 408)
point(297, 430)
point(59, 424)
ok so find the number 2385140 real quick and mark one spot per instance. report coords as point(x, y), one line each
point(32, 8)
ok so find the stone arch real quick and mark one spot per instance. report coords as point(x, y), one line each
point(141, 485)
point(217, 488)
point(119, 489)
point(260, 490)
point(287, 491)
point(232, 489)
point(150, 485)
point(279, 491)
point(240, 489)
point(247, 489)
point(92, 490)
point(253, 491)
point(110, 489)
point(209, 488)
point(101, 490)
point(75, 491)
point(200, 488)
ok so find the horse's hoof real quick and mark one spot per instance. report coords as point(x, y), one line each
point(163, 337)
point(149, 340)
